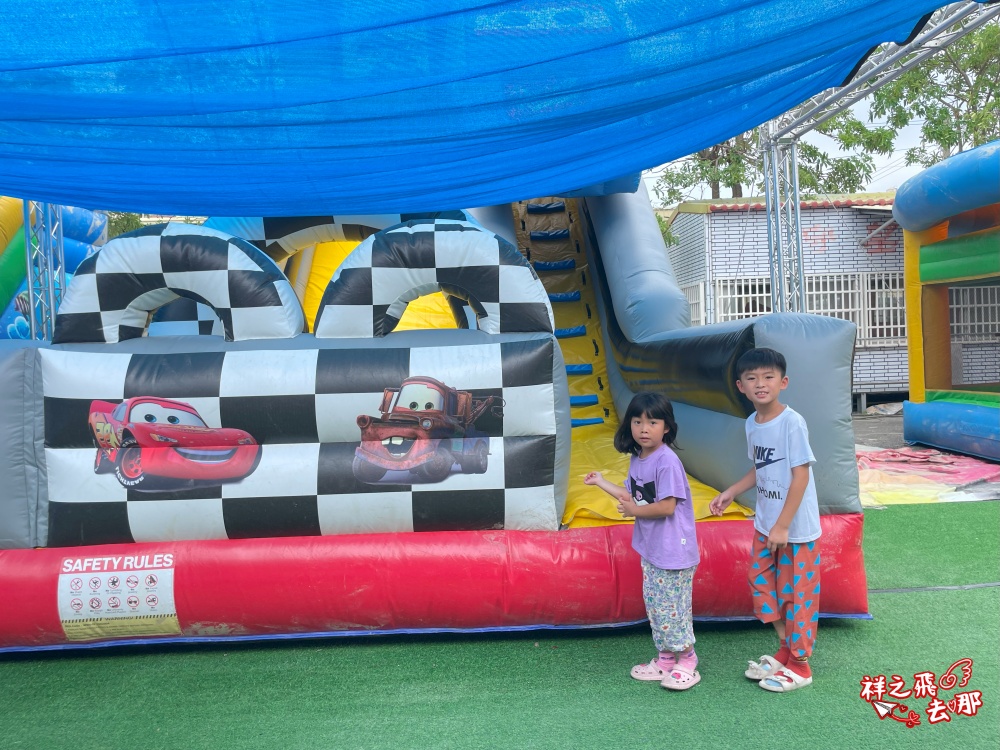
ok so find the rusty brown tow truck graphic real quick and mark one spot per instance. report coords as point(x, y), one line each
point(424, 427)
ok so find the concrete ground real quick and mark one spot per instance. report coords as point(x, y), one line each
point(878, 431)
point(886, 431)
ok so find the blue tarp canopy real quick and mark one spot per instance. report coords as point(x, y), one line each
point(236, 107)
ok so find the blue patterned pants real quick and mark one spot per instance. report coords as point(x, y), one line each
point(667, 594)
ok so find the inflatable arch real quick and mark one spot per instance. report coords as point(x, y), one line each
point(370, 290)
point(116, 290)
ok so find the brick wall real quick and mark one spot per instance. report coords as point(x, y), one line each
point(980, 363)
point(688, 257)
point(881, 370)
point(830, 238)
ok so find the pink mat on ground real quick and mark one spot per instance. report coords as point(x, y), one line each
point(932, 464)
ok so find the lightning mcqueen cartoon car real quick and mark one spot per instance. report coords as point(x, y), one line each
point(157, 444)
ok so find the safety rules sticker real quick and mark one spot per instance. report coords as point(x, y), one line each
point(116, 596)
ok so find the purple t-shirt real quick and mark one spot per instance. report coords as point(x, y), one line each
point(669, 542)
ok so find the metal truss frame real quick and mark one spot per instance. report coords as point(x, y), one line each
point(46, 274)
point(779, 138)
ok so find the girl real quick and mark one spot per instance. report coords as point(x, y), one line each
point(659, 498)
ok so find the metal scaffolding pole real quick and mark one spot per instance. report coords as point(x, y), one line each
point(784, 226)
point(43, 248)
point(779, 138)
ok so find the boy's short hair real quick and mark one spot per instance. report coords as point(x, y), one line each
point(761, 358)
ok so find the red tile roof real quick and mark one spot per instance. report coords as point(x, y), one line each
point(836, 203)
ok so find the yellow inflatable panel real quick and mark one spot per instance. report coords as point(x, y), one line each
point(429, 311)
point(11, 219)
point(327, 258)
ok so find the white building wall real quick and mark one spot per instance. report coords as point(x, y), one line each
point(830, 240)
point(880, 369)
point(980, 363)
point(688, 257)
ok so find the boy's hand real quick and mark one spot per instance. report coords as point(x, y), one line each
point(777, 539)
point(627, 506)
point(593, 477)
point(720, 502)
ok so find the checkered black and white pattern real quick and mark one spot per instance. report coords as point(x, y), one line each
point(185, 317)
point(301, 405)
point(282, 236)
point(114, 292)
point(370, 290)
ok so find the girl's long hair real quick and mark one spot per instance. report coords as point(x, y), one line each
point(654, 406)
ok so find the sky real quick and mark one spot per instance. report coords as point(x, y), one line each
point(890, 171)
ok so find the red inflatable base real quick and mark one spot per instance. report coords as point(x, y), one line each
point(380, 582)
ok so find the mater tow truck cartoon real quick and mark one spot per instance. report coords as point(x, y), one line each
point(424, 428)
point(155, 444)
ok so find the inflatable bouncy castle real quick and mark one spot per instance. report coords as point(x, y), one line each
point(950, 214)
point(361, 398)
point(361, 478)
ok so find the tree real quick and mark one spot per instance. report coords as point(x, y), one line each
point(120, 223)
point(955, 92)
point(736, 164)
point(669, 238)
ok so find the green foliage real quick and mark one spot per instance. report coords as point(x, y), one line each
point(955, 94)
point(736, 165)
point(669, 238)
point(120, 223)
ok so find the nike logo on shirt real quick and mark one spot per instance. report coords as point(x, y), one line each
point(763, 456)
point(766, 462)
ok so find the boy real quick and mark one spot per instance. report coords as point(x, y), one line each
point(784, 562)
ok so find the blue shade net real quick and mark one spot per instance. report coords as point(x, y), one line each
point(242, 108)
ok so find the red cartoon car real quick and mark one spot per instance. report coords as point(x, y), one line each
point(157, 444)
point(424, 427)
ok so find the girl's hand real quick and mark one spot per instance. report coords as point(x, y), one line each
point(627, 506)
point(593, 477)
point(720, 502)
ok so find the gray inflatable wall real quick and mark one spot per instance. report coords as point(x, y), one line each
point(651, 346)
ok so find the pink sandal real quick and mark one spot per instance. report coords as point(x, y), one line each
point(651, 672)
point(681, 679)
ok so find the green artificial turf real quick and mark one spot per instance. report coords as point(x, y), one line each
point(566, 689)
point(937, 544)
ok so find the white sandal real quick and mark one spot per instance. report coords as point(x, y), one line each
point(784, 681)
point(767, 666)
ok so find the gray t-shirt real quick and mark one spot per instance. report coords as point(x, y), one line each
point(776, 447)
point(668, 543)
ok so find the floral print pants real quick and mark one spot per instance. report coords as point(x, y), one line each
point(667, 594)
